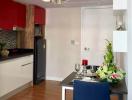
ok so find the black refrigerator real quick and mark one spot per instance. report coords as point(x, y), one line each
point(39, 72)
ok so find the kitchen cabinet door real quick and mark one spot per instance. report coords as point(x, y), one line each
point(26, 69)
point(15, 73)
point(27, 72)
point(39, 16)
point(12, 14)
point(21, 15)
point(10, 77)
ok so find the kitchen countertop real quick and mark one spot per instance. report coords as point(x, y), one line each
point(16, 53)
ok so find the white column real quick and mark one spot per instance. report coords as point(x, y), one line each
point(129, 50)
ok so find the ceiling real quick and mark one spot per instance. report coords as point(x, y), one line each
point(69, 3)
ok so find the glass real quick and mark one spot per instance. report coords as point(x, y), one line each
point(88, 67)
point(84, 62)
point(77, 69)
point(84, 72)
point(93, 69)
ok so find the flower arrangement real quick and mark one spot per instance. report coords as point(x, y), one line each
point(108, 71)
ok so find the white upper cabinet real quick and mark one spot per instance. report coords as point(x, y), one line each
point(119, 4)
point(119, 41)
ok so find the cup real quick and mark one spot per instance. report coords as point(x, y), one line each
point(77, 69)
point(84, 62)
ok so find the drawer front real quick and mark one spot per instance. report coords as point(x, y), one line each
point(10, 78)
point(26, 59)
point(27, 72)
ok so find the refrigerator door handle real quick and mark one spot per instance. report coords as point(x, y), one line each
point(44, 46)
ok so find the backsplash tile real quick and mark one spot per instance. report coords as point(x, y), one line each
point(8, 37)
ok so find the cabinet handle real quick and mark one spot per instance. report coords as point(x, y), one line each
point(26, 64)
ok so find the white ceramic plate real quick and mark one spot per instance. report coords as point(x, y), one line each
point(88, 79)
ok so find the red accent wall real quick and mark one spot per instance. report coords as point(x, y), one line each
point(12, 14)
point(40, 14)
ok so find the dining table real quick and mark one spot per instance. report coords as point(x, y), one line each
point(119, 89)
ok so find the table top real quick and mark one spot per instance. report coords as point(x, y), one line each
point(116, 89)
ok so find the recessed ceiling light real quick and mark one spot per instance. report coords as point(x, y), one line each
point(46, 0)
point(55, 1)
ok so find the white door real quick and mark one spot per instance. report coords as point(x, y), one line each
point(97, 25)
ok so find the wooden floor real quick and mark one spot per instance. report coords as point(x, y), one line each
point(47, 90)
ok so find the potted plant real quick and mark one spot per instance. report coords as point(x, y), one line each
point(3, 51)
point(109, 71)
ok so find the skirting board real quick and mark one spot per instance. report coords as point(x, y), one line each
point(10, 94)
point(54, 78)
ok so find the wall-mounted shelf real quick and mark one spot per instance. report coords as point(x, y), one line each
point(119, 12)
point(120, 33)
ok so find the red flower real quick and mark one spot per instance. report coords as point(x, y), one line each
point(115, 75)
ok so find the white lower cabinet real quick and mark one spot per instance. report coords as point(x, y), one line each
point(26, 72)
point(14, 73)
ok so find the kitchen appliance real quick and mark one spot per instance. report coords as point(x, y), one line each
point(39, 59)
point(38, 30)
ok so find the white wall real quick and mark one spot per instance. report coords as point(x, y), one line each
point(62, 26)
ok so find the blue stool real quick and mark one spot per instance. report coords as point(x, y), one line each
point(91, 90)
